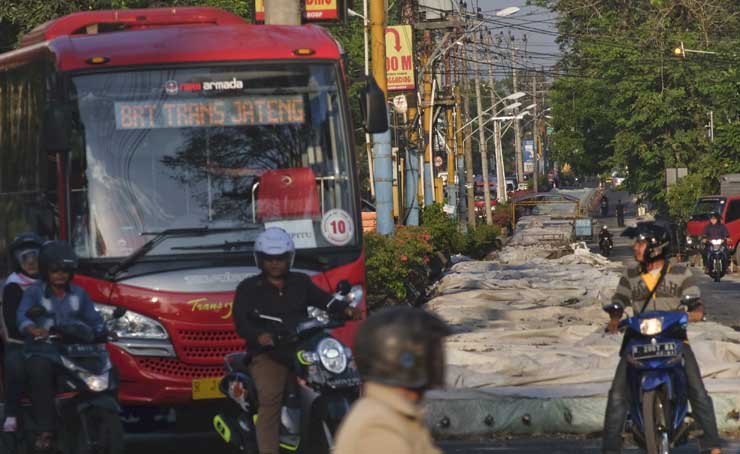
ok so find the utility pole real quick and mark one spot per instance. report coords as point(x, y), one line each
point(383, 162)
point(283, 12)
point(482, 135)
point(459, 139)
point(428, 118)
point(517, 130)
point(501, 194)
point(535, 149)
point(412, 150)
point(468, 146)
point(450, 140)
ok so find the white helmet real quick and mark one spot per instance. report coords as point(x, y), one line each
point(274, 241)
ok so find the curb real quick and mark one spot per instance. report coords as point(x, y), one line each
point(475, 414)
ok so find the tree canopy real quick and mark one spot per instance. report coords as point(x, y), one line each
point(622, 98)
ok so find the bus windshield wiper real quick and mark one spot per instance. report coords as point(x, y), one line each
point(226, 245)
point(158, 238)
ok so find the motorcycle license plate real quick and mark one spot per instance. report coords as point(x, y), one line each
point(654, 350)
point(206, 388)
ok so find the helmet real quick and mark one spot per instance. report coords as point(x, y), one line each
point(604, 227)
point(274, 241)
point(714, 214)
point(656, 235)
point(57, 255)
point(402, 347)
point(23, 246)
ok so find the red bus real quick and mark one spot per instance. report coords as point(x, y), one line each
point(160, 142)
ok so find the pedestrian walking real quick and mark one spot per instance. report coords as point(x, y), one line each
point(620, 213)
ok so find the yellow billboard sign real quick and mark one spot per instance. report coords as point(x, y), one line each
point(319, 10)
point(399, 58)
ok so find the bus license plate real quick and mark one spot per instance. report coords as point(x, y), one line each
point(206, 388)
point(654, 350)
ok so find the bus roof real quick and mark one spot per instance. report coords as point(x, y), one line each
point(167, 36)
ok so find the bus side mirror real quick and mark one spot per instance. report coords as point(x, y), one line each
point(57, 129)
point(374, 108)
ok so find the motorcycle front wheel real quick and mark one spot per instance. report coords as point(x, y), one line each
point(717, 270)
point(104, 429)
point(656, 414)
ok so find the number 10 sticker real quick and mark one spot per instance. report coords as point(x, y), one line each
point(337, 227)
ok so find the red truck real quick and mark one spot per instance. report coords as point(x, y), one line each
point(727, 204)
point(170, 138)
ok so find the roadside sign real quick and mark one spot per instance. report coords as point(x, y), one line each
point(313, 10)
point(438, 161)
point(400, 105)
point(399, 58)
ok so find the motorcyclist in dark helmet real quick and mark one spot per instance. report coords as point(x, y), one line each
point(65, 303)
point(671, 283)
point(715, 230)
point(400, 354)
point(24, 255)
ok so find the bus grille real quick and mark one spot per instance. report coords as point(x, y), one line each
point(207, 347)
point(171, 367)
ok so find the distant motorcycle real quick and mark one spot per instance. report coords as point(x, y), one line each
point(716, 259)
point(606, 245)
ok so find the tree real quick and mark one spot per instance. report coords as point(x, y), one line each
point(623, 99)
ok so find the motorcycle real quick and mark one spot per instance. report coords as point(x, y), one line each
point(716, 259)
point(654, 342)
point(87, 386)
point(328, 383)
point(606, 245)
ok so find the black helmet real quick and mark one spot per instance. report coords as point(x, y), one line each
point(714, 214)
point(402, 347)
point(56, 255)
point(22, 245)
point(656, 235)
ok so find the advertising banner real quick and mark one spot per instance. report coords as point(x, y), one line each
point(399, 58)
point(313, 10)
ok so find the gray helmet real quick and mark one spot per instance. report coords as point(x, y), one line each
point(274, 241)
point(402, 347)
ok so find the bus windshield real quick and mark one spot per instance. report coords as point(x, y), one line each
point(233, 149)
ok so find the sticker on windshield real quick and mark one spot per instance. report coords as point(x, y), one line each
point(337, 227)
point(300, 230)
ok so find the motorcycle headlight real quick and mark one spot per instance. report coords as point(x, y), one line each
point(97, 383)
point(689, 240)
point(132, 325)
point(354, 297)
point(332, 356)
point(716, 242)
point(651, 326)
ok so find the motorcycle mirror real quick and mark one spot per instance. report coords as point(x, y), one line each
point(36, 311)
point(611, 308)
point(119, 312)
point(344, 287)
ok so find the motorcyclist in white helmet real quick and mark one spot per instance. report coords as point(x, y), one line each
point(278, 292)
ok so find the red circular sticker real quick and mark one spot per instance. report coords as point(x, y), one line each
point(337, 227)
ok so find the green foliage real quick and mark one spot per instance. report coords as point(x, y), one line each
point(445, 236)
point(682, 197)
point(626, 101)
point(481, 240)
point(392, 264)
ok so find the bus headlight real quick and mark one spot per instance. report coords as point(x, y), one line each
point(651, 326)
point(332, 356)
point(132, 325)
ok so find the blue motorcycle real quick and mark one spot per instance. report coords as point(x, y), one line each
point(653, 346)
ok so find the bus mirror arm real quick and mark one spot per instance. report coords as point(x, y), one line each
point(374, 108)
point(56, 128)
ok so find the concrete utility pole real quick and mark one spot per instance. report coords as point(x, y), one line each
point(383, 162)
point(517, 130)
point(412, 151)
point(535, 150)
point(283, 12)
point(501, 194)
point(468, 146)
point(483, 148)
point(459, 141)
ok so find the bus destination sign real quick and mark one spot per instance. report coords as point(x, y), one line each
point(199, 113)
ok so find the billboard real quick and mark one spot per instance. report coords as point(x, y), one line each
point(313, 10)
point(399, 58)
point(528, 155)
